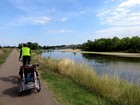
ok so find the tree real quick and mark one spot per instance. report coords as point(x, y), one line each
point(33, 46)
point(135, 43)
point(116, 44)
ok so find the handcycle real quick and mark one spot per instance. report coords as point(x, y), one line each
point(30, 79)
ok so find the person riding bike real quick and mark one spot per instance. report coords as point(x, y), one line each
point(25, 55)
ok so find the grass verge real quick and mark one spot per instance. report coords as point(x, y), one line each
point(4, 52)
point(78, 84)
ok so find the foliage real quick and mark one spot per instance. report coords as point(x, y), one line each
point(33, 46)
point(125, 44)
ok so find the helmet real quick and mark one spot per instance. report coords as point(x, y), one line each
point(24, 44)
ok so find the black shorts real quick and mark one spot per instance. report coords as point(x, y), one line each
point(26, 60)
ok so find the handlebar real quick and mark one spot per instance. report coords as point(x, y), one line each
point(35, 65)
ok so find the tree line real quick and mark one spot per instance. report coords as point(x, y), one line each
point(125, 44)
point(36, 46)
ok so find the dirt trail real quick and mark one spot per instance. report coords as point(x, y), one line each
point(8, 86)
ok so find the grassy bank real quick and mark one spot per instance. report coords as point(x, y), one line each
point(68, 92)
point(4, 52)
point(78, 84)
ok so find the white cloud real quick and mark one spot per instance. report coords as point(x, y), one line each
point(107, 1)
point(82, 12)
point(64, 19)
point(126, 13)
point(129, 3)
point(118, 31)
point(40, 20)
point(60, 31)
point(32, 7)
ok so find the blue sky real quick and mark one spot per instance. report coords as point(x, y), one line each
point(64, 22)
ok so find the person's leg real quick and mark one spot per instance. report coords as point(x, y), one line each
point(21, 72)
point(36, 73)
point(29, 59)
point(26, 59)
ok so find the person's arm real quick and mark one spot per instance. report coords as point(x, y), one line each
point(30, 52)
point(20, 53)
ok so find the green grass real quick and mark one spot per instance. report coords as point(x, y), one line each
point(68, 92)
point(4, 52)
point(85, 86)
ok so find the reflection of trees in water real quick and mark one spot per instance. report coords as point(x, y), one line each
point(108, 58)
point(97, 58)
point(74, 53)
point(49, 52)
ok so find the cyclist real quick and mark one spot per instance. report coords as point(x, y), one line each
point(25, 54)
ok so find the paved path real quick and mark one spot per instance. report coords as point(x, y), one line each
point(8, 86)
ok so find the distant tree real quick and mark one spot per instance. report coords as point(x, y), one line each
point(125, 44)
point(88, 46)
point(20, 45)
point(135, 43)
point(33, 46)
point(116, 44)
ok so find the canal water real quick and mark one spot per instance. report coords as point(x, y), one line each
point(124, 68)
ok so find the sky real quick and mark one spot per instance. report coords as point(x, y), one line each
point(66, 22)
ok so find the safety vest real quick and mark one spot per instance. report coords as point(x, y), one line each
point(26, 51)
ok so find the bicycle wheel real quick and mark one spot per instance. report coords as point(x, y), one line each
point(39, 85)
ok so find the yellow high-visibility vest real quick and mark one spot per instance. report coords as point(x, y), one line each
point(26, 51)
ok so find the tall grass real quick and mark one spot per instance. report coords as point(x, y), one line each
point(121, 92)
point(4, 52)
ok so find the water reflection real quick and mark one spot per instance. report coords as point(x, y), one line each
point(106, 58)
point(125, 68)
